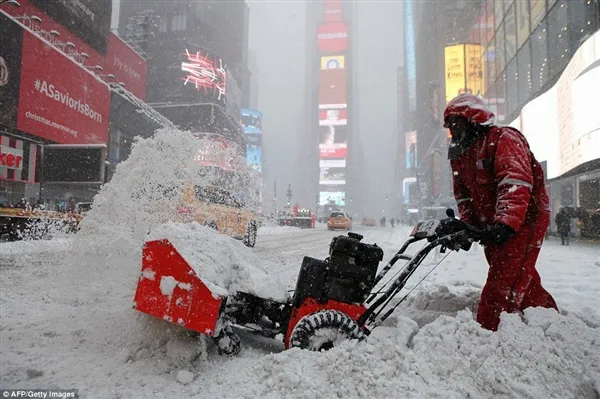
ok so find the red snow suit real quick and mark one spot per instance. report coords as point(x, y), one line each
point(498, 180)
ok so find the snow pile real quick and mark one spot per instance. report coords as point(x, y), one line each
point(219, 260)
point(543, 355)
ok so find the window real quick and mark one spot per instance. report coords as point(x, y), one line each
point(510, 34)
point(500, 49)
point(539, 57)
point(522, 19)
point(558, 37)
point(582, 21)
point(501, 97)
point(512, 91)
point(179, 22)
point(524, 73)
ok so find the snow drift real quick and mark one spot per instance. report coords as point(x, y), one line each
point(542, 355)
point(219, 260)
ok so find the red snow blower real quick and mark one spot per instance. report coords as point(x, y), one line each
point(339, 298)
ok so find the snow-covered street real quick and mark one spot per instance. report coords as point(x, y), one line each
point(67, 322)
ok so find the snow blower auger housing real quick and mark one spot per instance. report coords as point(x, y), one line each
point(339, 298)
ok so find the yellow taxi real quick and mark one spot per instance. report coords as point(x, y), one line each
point(339, 220)
point(216, 208)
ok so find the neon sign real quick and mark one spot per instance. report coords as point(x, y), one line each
point(206, 72)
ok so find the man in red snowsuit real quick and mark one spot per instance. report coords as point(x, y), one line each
point(499, 187)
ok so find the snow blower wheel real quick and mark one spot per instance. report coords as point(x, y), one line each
point(228, 343)
point(325, 329)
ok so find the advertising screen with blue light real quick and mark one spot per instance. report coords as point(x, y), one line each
point(254, 156)
point(251, 121)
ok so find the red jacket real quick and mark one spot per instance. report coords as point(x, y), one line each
point(498, 179)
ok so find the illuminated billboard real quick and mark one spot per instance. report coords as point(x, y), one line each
point(332, 176)
point(254, 157)
point(332, 163)
point(332, 62)
point(333, 151)
point(205, 72)
point(332, 88)
point(333, 117)
point(251, 121)
point(332, 10)
point(411, 150)
point(332, 198)
point(463, 70)
point(332, 37)
point(332, 135)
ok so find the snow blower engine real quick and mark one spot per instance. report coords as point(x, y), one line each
point(339, 298)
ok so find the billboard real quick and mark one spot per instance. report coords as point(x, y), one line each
point(410, 55)
point(332, 176)
point(333, 117)
point(332, 10)
point(332, 37)
point(251, 121)
point(127, 65)
point(332, 198)
point(87, 19)
point(332, 163)
point(332, 88)
point(219, 152)
point(332, 62)
point(61, 102)
point(10, 70)
point(205, 72)
point(411, 150)
point(463, 70)
point(332, 151)
point(332, 135)
point(254, 157)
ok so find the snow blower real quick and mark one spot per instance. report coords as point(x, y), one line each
point(339, 298)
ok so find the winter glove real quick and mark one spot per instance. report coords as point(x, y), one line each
point(496, 234)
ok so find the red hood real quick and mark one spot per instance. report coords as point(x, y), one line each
point(470, 107)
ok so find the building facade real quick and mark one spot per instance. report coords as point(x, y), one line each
point(198, 51)
point(535, 62)
point(51, 116)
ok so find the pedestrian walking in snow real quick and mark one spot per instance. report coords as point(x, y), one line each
point(563, 225)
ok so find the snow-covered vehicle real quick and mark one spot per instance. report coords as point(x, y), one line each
point(219, 209)
point(339, 298)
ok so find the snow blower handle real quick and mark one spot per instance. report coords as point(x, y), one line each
point(452, 225)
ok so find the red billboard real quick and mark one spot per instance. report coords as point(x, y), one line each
point(332, 37)
point(59, 100)
point(120, 60)
point(332, 10)
point(332, 88)
point(332, 151)
point(128, 66)
point(218, 151)
point(333, 117)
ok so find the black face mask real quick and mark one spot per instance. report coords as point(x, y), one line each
point(460, 142)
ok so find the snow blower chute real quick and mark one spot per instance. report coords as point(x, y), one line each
point(341, 297)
